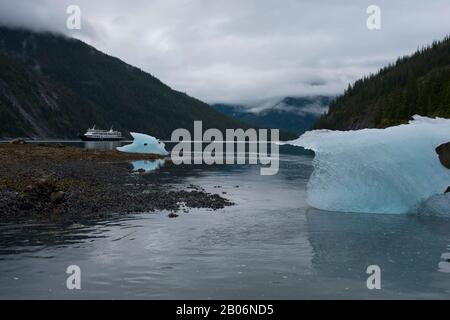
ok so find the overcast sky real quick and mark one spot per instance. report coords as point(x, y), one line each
point(245, 50)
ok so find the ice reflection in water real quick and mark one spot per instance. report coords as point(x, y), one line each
point(148, 165)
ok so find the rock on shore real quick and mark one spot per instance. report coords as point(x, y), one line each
point(444, 154)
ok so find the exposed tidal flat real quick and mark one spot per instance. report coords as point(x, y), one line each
point(57, 181)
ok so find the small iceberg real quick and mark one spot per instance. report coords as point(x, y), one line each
point(390, 170)
point(143, 143)
point(147, 165)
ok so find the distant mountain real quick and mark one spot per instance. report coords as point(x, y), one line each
point(416, 84)
point(290, 114)
point(52, 86)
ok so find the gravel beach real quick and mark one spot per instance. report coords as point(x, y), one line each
point(68, 182)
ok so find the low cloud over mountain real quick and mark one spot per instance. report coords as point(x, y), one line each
point(233, 51)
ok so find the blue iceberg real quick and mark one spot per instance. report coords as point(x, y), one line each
point(390, 170)
point(143, 143)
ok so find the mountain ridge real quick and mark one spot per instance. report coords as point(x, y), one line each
point(290, 114)
point(415, 84)
point(52, 86)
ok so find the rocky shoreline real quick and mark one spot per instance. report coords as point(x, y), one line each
point(68, 182)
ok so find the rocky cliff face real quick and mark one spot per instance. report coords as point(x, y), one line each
point(32, 106)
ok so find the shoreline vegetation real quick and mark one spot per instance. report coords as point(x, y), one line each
point(57, 181)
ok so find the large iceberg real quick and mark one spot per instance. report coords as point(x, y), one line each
point(143, 143)
point(388, 170)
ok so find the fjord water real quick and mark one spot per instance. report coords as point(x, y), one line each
point(270, 245)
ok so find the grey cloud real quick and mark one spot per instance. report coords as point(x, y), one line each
point(316, 106)
point(244, 50)
point(316, 83)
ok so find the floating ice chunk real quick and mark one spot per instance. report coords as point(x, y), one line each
point(388, 170)
point(143, 143)
point(147, 165)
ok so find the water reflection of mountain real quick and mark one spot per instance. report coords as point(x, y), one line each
point(103, 145)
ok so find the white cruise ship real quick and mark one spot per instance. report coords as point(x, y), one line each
point(94, 134)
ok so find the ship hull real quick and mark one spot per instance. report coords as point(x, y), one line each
point(84, 138)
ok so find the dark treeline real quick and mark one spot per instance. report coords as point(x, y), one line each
point(416, 84)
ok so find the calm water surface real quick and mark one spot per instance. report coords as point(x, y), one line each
point(270, 245)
